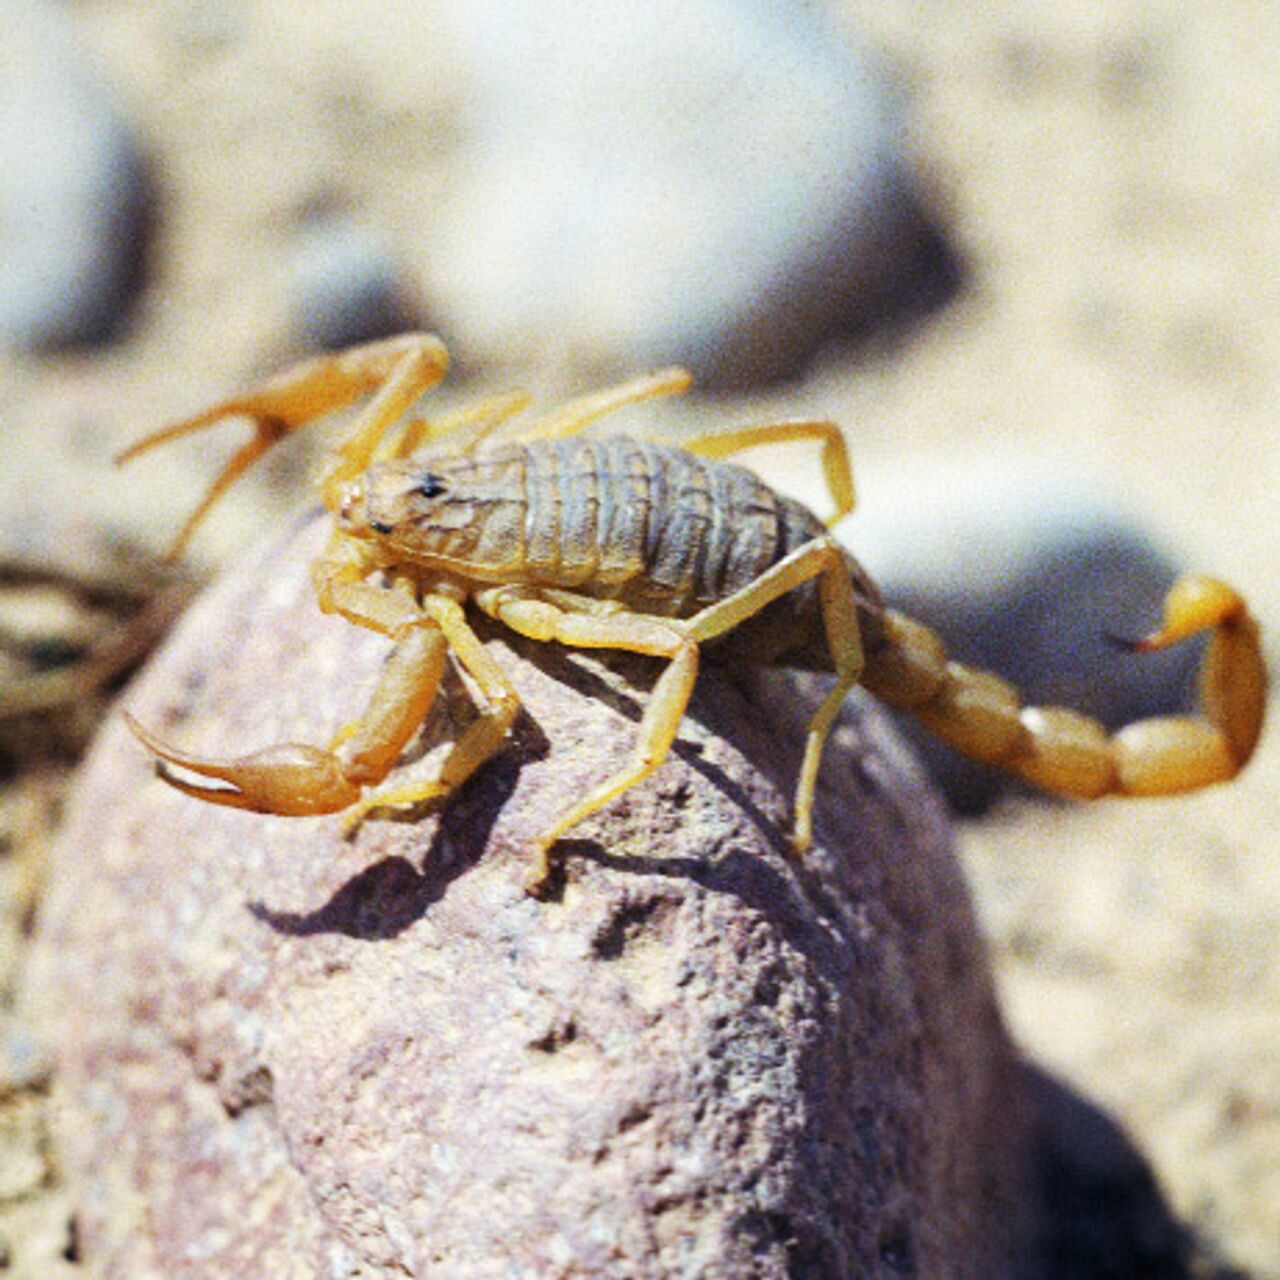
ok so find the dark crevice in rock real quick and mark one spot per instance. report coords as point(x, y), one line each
point(636, 917)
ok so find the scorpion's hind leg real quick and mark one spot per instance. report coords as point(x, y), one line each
point(631, 633)
point(1065, 752)
point(835, 453)
point(821, 559)
point(399, 369)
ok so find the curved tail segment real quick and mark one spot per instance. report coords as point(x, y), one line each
point(1062, 751)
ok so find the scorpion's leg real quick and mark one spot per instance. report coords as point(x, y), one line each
point(1069, 753)
point(481, 738)
point(632, 633)
point(577, 414)
point(821, 559)
point(835, 453)
point(398, 369)
point(477, 421)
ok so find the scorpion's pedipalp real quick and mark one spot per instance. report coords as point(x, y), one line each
point(290, 778)
point(294, 779)
point(400, 369)
point(481, 738)
point(1063, 751)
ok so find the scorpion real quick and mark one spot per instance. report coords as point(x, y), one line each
point(616, 543)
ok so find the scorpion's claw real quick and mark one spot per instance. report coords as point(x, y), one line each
point(291, 778)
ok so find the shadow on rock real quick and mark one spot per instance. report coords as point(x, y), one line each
point(391, 895)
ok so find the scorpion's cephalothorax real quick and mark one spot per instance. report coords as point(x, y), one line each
point(657, 528)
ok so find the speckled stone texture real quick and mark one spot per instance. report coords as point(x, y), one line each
point(286, 1054)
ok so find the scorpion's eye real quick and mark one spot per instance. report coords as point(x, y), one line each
point(431, 486)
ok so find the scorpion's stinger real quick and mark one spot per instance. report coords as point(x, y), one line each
point(1063, 751)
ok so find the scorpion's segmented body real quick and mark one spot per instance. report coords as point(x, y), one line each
point(657, 529)
point(621, 544)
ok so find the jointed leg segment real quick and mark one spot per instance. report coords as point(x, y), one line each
point(577, 414)
point(631, 633)
point(821, 559)
point(533, 615)
point(835, 453)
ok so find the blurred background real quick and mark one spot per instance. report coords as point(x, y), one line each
point(1027, 255)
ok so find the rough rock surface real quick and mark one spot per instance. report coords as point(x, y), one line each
point(283, 1053)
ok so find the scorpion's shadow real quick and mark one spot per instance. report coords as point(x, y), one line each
point(387, 897)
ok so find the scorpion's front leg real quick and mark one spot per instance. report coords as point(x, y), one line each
point(578, 414)
point(398, 369)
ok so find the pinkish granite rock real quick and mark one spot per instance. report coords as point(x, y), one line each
point(286, 1054)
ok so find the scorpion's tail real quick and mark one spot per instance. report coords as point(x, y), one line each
point(1063, 751)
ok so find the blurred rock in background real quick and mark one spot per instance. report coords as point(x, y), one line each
point(74, 197)
point(718, 183)
point(346, 285)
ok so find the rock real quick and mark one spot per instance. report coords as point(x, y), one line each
point(1024, 569)
point(711, 183)
point(345, 283)
point(74, 202)
point(26, 1065)
point(281, 1052)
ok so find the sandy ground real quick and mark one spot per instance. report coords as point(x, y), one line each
point(1109, 174)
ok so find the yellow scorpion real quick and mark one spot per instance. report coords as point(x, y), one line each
point(628, 545)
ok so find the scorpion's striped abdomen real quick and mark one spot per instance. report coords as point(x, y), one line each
point(658, 528)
